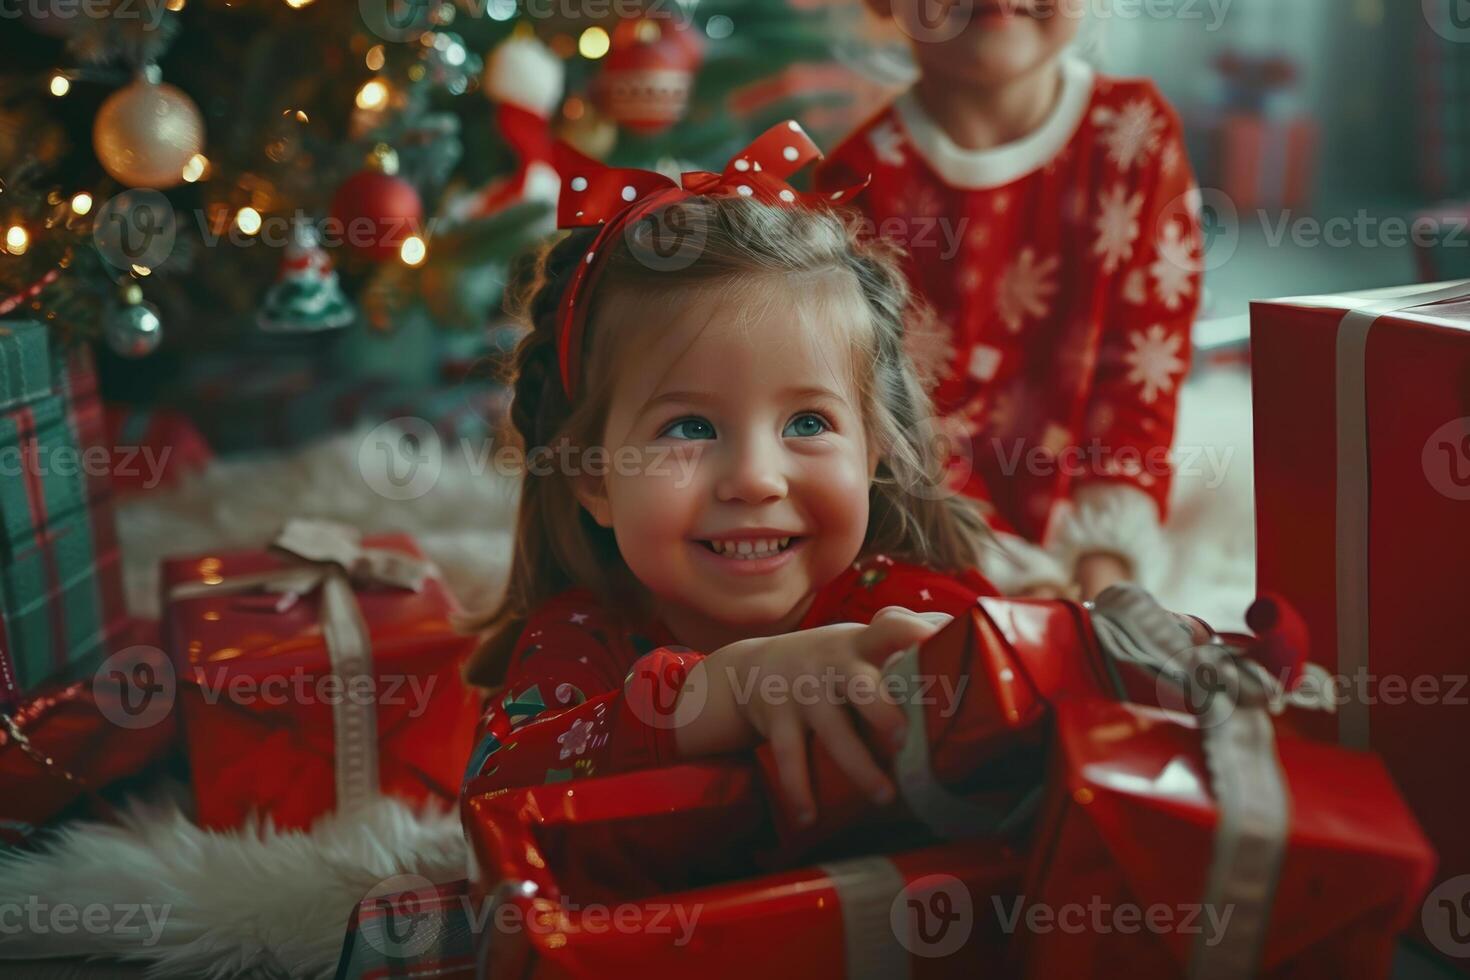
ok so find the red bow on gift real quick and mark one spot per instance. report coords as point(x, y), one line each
point(596, 195)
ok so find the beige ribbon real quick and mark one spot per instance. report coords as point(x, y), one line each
point(1239, 746)
point(866, 890)
point(331, 557)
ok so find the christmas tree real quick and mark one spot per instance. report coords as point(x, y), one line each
point(149, 154)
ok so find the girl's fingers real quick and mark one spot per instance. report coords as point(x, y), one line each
point(834, 727)
point(867, 695)
point(788, 746)
point(895, 628)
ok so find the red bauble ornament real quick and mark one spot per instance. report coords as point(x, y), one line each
point(647, 77)
point(376, 211)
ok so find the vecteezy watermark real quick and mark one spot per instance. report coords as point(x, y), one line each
point(304, 687)
point(831, 686)
point(404, 20)
point(932, 916)
point(1445, 917)
point(135, 688)
point(411, 915)
point(403, 458)
point(93, 461)
point(1196, 681)
point(1446, 459)
point(37, 916)
point(1101, 917)
point(1210, 464)
point(150, 12)
point(1450, 19)
point(135, 228)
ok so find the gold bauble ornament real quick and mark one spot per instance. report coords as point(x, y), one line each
point(146, 132)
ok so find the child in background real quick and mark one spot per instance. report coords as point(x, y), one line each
point(738, 471)
point(1064, 270)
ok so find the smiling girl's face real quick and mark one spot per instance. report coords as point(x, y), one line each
point(984, 42)
point(745, 419)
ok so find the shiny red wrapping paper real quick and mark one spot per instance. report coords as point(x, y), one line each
point(676, 855)
point(257, 693)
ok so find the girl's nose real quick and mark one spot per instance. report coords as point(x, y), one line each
point(752, 474)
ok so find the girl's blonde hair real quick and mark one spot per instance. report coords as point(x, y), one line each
point(723, 241)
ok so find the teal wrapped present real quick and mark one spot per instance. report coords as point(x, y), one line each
point(60, 587)
point(25, 362)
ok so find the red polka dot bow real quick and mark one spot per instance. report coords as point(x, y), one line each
point(595, 195)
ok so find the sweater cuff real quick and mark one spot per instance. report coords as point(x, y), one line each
point(646, 719)
point(1112, 518)
point(1014, 565)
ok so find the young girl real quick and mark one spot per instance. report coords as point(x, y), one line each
point(736, 490)
point(1065, 273)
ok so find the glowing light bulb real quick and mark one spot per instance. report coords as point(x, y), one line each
point(81, 202)
point(372, 95)
point(195, 168)
point(60, 85)
point(248, 220)
point(413, 250)
point(594, 43)
point(17, 240)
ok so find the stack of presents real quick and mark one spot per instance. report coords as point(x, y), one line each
point(1104, 795)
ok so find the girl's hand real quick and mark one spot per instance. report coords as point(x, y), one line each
point(1098, 571)
point(784, 685)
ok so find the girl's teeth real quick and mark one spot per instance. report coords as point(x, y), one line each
point(750, 549)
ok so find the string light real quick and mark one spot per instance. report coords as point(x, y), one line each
point(594, 43)
point(413, 250)
point(16, 240)
point(81, 203)
point(60, 85)
point(175, 5)
point(375, 57)
point(248, 220)
point(195, 168)
point(372, 95)
point(142, 270)
point(297, 4)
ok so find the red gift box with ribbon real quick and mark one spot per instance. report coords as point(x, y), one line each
point(1175, 846)
point(316, 676)
point(1362, 442)
point(657, 874)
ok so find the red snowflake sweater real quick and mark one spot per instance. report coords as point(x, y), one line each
point(586, 692)
point(1064, 269)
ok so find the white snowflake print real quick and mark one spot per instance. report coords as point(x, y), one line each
point(1154, 361)
point(921, 200)
point(978, 236)
point(984, 362)
point(1001, 203)
point(887, 143)
point(1117, 227)
point(1026, 289)
point(1171, 158)
point(1135, 287)
point(971, 279)
point(1174, 269)
point(574, 740)
point(930, 346)
point(1131, 134)
point(1100, 421)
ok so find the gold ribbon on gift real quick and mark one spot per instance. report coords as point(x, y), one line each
point(330, 557)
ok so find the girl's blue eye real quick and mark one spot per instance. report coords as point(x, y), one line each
point(806, 426)
point(691, 429)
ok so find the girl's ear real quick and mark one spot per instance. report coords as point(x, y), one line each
point(591, 493)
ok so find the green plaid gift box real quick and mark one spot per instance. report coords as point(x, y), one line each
point(420, 933)
point(59, 582)
point(25, 362)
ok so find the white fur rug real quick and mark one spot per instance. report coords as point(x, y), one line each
point(277, 905)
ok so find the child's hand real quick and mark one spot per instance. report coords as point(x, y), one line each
point(1098, 571)
point(780, 686)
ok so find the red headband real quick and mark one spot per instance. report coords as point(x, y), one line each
point(593, 195)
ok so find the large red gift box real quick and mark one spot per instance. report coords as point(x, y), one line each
point(655, 874)
point(1141, 840)
point(276, 724)
point(1265, 161)
point(1362, 443)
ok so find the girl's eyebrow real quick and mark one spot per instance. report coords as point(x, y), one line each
point(703, 398)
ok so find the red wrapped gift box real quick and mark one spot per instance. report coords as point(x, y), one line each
point(1133, 843)
point(1362, 408)
point(1266, 162)
point(648, 874)
point(60, 745)
point(280, 723)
